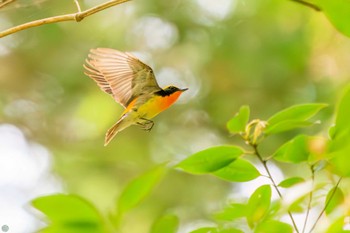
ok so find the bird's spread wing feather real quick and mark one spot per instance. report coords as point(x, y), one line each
point(120, 74)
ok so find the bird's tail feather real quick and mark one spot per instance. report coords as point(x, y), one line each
point(117, 127)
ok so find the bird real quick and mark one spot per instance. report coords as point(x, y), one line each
point(132, 84)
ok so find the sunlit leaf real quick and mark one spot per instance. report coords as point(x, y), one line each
point(216, 230)
point(338, 226)
point(335, 197)
point(294, 151)
point(341, 131)
point(69, 213)
point(273, 226)
point(205, 230)
point(231, 212)
point(292, 117)
point(258, 204)
point(229, 230)
point(211, 159)
point(343, 112)
point(239, 170)
point(167, 223)
point(286, 125)
point(338, 13)
point(238, 122)
point(290, 182)
point(339, 161)
point(138, 189)
point(298, 205)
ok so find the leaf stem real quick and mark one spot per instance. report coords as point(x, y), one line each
point(264, 162)
point(308, 4)
point(326, 205)
point(310, 198)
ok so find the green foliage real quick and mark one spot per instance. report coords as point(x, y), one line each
point(167, 223)
point(239, 121)
point(226, 162)
point(216, 230)
point(294, 151)
point(290, 182)
point(273, 226)
point(339, 146)
point(231, 212)
point(278, 56)
point(338, 13)
point(293, 117)
point(210, 160)
point(335, 198)
point(258, 205)
point(239, 170)
point(138, 189)
point(69, 214)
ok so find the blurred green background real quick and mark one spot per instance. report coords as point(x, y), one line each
point(267, 54)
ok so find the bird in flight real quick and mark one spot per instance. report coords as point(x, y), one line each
point(132, 84)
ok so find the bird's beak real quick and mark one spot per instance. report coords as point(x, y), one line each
point(185, 89)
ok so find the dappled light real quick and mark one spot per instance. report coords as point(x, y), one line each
point(263, 125)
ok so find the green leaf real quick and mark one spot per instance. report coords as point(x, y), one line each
point(167, 223)
point(292, 117)
point(293, 151)
point(290, 182)
point(258, 204)
point(343, 112)
point(335, 197)
point(273, 226)
point(231, 212)
point(338, 226)
point(286, 126)
point(238, 122)
point(205, 230)
point(239, 170)
point(138, 189)
point(338, 13)
point(211, 159)
point(339, 161)
point(216, 230)
point(230, 230)
point(340, 133)
point(69, 213)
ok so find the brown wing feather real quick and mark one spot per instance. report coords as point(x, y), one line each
point(120, 74)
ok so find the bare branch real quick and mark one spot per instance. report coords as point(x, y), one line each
point(60, 18)
point(77, 4)
point(4, 3)
point(308, 4)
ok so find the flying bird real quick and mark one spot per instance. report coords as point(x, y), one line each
point(132, 84)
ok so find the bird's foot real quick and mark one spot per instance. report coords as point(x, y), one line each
point(145, 124)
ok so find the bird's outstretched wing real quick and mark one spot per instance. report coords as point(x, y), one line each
point(120, 74)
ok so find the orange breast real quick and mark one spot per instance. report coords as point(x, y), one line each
point(157, 104)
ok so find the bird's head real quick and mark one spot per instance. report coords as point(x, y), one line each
point(172, 89)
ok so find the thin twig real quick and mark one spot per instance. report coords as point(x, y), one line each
point(78, 5)
point(68, 17)
point(308, 4)
point(273, 183)
point(5, 3)
point(310, 198)
point(326, 205)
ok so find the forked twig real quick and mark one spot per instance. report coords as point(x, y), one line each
point(60, 18)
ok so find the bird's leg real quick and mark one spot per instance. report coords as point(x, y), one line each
point(146, 124)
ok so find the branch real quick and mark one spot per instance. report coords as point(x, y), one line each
point(308, 4)
point(310, 198)
point(60, 18)
point(4, 3)
point(326, 205)
point(273, 183)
